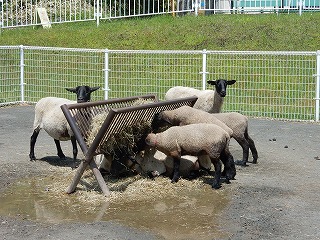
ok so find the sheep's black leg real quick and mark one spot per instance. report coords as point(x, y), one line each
point(60, 153)
point(74, 147)
point(229, 166)
point(245, 151)
point(33, 140)
point(176, 172)
point(253, 149)
point(217, 170)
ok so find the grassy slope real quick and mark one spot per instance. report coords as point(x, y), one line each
point(215, 32)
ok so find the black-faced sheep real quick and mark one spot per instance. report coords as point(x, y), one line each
point(196, 139)
point(49, 116)
point(237, 122)
point(208, 100)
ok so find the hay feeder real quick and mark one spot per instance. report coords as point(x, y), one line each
point(121, 112)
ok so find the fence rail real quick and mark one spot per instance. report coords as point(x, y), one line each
point(281, 85)
point(18, 13)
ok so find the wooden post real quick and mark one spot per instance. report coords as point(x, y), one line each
point(99, 178)
point(76, 179)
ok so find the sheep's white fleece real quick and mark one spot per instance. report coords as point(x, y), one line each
point(192, 139)
point(49, 116)
point(153, 160)
point(208, 100)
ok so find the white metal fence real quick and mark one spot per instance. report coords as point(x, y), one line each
point(281, 85)
point(16, 13)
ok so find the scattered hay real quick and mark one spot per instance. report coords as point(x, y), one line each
point(135, 188)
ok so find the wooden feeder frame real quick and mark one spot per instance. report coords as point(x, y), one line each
point(120, 114)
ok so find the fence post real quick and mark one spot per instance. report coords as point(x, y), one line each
point(196, 7)
point(98, 12)
point(300, 7)
point(106, 74)
point(204, 69)
point(22, 73)
point(318, 86)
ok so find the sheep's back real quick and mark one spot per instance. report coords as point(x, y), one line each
point(181, 92)
point(194, 139)
point(236, 121)
point(186, 115)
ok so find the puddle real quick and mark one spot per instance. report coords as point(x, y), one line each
point(192, 215)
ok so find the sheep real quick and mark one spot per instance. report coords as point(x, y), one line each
point(49, 116)
point(196, 140)
point(208, 100)
point(155, 163)
point(237, 122)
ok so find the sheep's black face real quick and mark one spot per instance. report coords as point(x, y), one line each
point(158, 124)
point(83, 93)
point(221, 86)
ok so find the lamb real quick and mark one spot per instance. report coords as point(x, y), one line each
point(196, 140)
point(208, 100)
point(49, 116)
point(237, 122)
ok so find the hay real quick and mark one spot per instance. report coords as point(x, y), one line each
point(95, 126)
point(135, 188)
point(122, 143)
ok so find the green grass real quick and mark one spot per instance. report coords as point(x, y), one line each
point(259, 32)
point(270, 32)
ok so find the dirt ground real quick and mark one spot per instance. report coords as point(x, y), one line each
point(278, 198)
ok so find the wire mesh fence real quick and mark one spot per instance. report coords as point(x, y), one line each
point(281, 85)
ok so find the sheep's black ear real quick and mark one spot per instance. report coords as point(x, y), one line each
point(212, 82)
point(230, 82)
point(94, 89)
point(74, 90)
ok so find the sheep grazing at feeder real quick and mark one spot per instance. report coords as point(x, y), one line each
point(196, 140)
point(208, 100)
point(154, 163)
point(49, 116)
point(237, 122)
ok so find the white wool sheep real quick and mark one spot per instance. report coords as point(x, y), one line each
point(237, 122)
point(155, 163)
point(208, 100)
point(49, 116)
point(196, 139)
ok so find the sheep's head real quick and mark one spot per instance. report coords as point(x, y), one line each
point(83, 92)
point(160, 122)
point(151, 139)
point(221, 85)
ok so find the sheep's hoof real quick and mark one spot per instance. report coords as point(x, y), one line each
point(241, 163)
point(227, 181)
point(32, 158)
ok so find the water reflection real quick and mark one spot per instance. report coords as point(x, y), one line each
point(194, 214)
